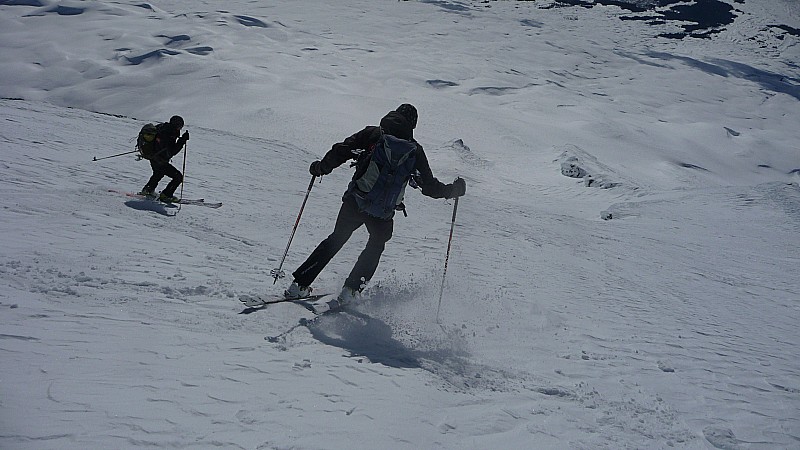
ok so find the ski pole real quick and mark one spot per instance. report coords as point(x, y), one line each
point(183, 174)
point(114, 156)
point(447, 258)
point(278, 273)
point(185, 151)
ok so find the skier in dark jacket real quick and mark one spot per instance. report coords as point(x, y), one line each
point(399, 123)
point(168, 143)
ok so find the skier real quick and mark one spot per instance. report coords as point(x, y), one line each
point(396, 126)
point(167, 144)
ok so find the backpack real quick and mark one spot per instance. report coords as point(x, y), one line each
point(146, 141)
point(382, 176)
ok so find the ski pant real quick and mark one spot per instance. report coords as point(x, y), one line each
point(160, 170)
point(349, 220)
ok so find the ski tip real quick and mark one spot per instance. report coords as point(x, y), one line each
point(251, 301)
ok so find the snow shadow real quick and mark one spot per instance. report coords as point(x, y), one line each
point(448, 6)
point(371, 338)
point(147, 205)
point(58, 9)
point(155, 54)
point(251, 21)
point(22, 3)
point(768, 80)
point(363, 336)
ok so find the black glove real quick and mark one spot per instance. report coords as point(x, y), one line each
point(182, 140)
point(458, 188)
point(318, 169)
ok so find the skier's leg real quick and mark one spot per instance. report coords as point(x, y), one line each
point(177, 179)
point(158, 174)
point(380, 231)
point(348, 220)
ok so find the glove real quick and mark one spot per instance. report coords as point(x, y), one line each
point(458, 188)
point(182, 140)
point(317, 169)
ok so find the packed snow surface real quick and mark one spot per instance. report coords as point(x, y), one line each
point(623, 270)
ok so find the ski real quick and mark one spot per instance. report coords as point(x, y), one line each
point(260, 301)
point(200, 202)
point(183, 201)
point(323, 306)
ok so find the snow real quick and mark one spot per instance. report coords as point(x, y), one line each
point(671, 324)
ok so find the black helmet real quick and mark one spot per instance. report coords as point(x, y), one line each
point(176, 121)
point(408, 111)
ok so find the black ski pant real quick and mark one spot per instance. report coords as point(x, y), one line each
point(349, 220)
point(160, 170)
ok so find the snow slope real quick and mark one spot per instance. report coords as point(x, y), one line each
point(673, 323)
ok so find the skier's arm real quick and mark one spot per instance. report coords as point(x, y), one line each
point(178, 145)
point(431, 187)
point(346, 150)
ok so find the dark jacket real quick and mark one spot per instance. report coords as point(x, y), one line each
point(398, 126)
point(168, 142)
